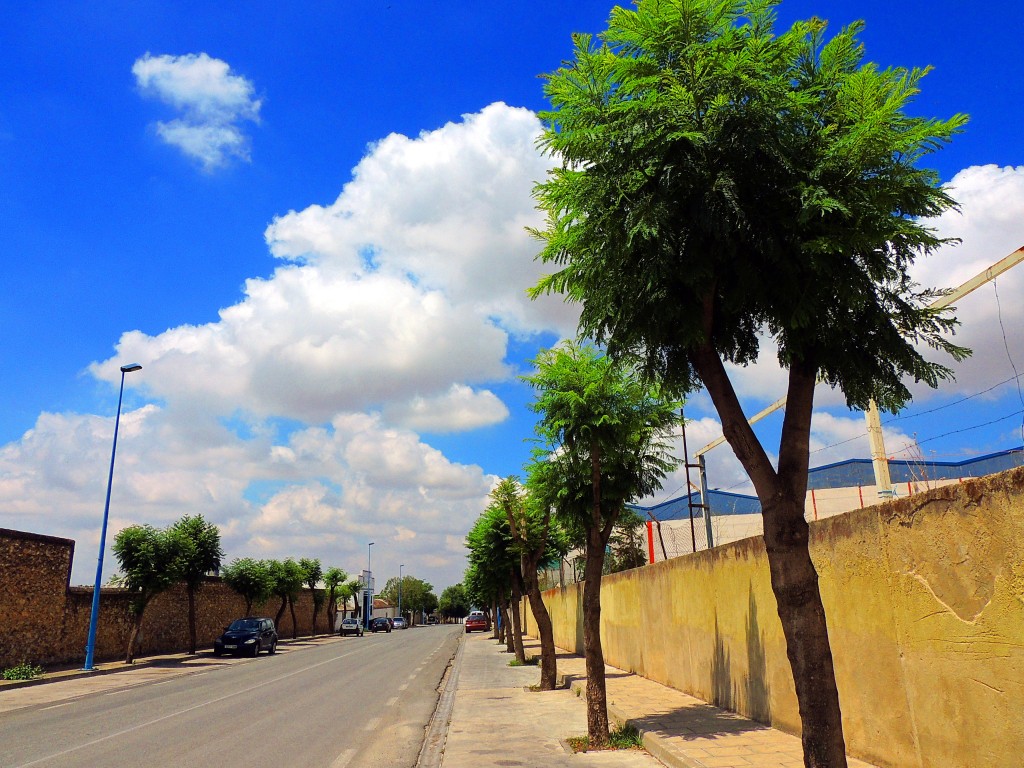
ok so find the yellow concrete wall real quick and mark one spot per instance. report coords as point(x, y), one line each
point(925, 604)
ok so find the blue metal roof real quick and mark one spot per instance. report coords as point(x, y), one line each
point(842, 474)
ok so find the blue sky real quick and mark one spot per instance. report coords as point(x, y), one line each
point(306, 221)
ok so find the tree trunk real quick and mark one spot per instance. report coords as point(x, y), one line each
point(133, 638)
point(548, 658)
point(332, 612)
point(248, 606)
point(517, 625)
point(506, 623)
point(593, 652)
point(191, 619)
point(316, 610)
point(495, 613)
point(295, 623)
point(280, 613)
point(787, 536)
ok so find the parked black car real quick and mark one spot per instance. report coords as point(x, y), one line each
point(380, 624)
point(247, 636)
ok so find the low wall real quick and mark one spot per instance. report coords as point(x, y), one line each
point(924, 598)
point(44, 621)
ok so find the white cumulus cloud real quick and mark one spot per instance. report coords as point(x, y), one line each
point(212, 101)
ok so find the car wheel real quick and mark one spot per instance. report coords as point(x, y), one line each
point(216, 652)
point(273, 647)
point(256, 649)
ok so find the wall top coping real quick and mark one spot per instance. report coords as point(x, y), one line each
point(12, 534)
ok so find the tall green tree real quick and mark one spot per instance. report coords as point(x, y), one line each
point(609, 437)
point(201, 555)
point(453, 602)
point(334, 578)
point(251, 579)
point(721, 184)
point(493, 565)
point(150, 562)
point(312, 572)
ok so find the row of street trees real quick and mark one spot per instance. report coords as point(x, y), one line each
point(152, 560)
point(723, 185)
point(602, 441)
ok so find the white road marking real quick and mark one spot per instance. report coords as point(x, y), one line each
point(343, 759)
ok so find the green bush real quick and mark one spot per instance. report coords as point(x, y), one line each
point(23, 671)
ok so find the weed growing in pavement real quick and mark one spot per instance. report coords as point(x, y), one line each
point(23, 671)
point(530, 662)
point(626, 737)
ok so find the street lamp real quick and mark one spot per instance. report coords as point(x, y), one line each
point(90, 648)
point(400, 567)
point(368, 607)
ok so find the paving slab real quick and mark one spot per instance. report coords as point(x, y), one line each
point(683, 731)
point(497, 721)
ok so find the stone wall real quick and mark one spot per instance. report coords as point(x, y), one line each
point(44, 621)
point(924, 598)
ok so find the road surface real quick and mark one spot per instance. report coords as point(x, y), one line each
point(350, 702)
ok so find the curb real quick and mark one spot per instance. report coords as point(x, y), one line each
point(432, 750)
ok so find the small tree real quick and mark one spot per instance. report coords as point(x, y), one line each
point(529, 519)
point(722, 183)
point(354, 589)
point(150, 562)
point(251, 579)
point(312, 572)
point(288, 582)
point(201, 554)
point(609, 436)
point(333, 579)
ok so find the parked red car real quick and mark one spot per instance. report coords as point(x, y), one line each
point(477, 621)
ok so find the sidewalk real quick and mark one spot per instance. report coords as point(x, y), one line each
point(680, 730)
point(496, 721)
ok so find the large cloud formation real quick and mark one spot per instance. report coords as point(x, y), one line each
point(294, 421)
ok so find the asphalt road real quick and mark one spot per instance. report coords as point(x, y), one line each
point(351, 702)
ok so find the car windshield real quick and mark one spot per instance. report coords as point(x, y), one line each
point(243, 624)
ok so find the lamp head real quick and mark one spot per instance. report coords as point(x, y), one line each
point(130, 367)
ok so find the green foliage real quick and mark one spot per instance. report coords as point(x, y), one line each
point(23, 671)
point(492, 558)
point(288, 576)
point(251, 579)
point(454, 603)
point(417, 595)
point(201, 550)
point(604, 433)
point(531, 661)
point(625, 737)
point(722, 182)
point(150, 561)
point(312, 573)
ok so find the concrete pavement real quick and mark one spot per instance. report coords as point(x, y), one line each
point(496, 722)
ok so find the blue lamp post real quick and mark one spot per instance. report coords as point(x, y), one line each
point(368, 605)
point(90, 648)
